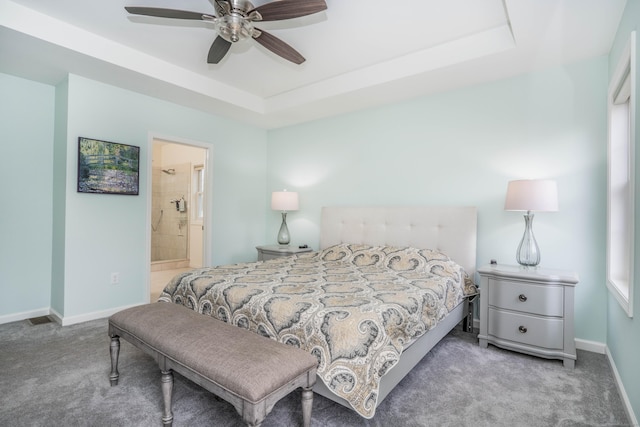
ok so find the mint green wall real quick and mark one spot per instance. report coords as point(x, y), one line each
point(623, 336)
point(461, 148)
point(59, 197)
point(26, 145)
point(59, 247)
point(107, 233)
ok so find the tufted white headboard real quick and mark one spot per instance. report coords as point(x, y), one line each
point(451, 230)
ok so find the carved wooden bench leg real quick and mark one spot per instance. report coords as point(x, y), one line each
point(167, 395)
point(307, 404)
point(114, 350)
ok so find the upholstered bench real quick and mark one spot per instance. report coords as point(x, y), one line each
point(247, 370)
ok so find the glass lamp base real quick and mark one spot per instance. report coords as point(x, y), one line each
point(528, 253)
point(283, 234)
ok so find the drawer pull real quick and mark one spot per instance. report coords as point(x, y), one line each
point(522, 297)
point(522, 329)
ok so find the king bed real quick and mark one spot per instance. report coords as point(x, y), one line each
point(386, 285)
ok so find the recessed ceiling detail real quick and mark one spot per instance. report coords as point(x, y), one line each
point(356, 57)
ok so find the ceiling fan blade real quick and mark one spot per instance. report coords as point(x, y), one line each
point(168, 13)
point(222, 7)
point(218, 50)
point(279, 47)
point(288, 9)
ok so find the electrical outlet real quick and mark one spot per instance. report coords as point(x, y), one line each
point(115, 278)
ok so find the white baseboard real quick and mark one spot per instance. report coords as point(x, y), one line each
point(63, 320)
point(71, 320)
point(56, 316)
point(592, 346)
point(623, 394)
point(16, 317)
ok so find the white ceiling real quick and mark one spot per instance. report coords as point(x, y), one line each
point(359, 53)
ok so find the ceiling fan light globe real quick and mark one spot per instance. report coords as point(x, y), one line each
point(234, 28)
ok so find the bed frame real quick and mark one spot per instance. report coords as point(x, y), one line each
point(451, 230)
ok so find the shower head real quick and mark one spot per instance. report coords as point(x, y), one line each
point(169, 171)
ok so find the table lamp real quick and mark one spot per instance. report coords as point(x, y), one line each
point(539, 195)
point(284, 201)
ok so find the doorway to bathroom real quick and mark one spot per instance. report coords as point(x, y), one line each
point(178, 209)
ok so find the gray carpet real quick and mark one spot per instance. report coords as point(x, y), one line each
point(53, 375)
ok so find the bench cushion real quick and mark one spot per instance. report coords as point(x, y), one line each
point(244, 363)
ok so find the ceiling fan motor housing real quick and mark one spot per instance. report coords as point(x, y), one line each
point(225, 7)
point(234, 28)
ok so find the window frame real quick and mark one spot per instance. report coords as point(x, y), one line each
point(621, 102)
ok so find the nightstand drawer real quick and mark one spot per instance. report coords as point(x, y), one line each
point(521, 328)
point(544, 300)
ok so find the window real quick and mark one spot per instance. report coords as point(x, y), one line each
point(621, 176)
point(198, 194)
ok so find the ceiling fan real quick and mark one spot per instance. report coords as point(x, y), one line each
point(234, 23)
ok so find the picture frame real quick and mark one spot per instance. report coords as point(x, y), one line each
point(108, 167)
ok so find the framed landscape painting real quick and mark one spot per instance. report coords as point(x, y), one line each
point(108, 167)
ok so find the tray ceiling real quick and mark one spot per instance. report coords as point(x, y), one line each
point(358, 53)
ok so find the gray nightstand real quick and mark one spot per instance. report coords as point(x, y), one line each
point(528, 310)
point(277, 251)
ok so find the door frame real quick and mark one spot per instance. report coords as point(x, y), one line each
point(208, 200)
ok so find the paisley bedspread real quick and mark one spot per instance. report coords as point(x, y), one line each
point(354, 307)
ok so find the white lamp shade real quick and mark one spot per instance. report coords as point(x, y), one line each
point(284, 201)
point(532, 195)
